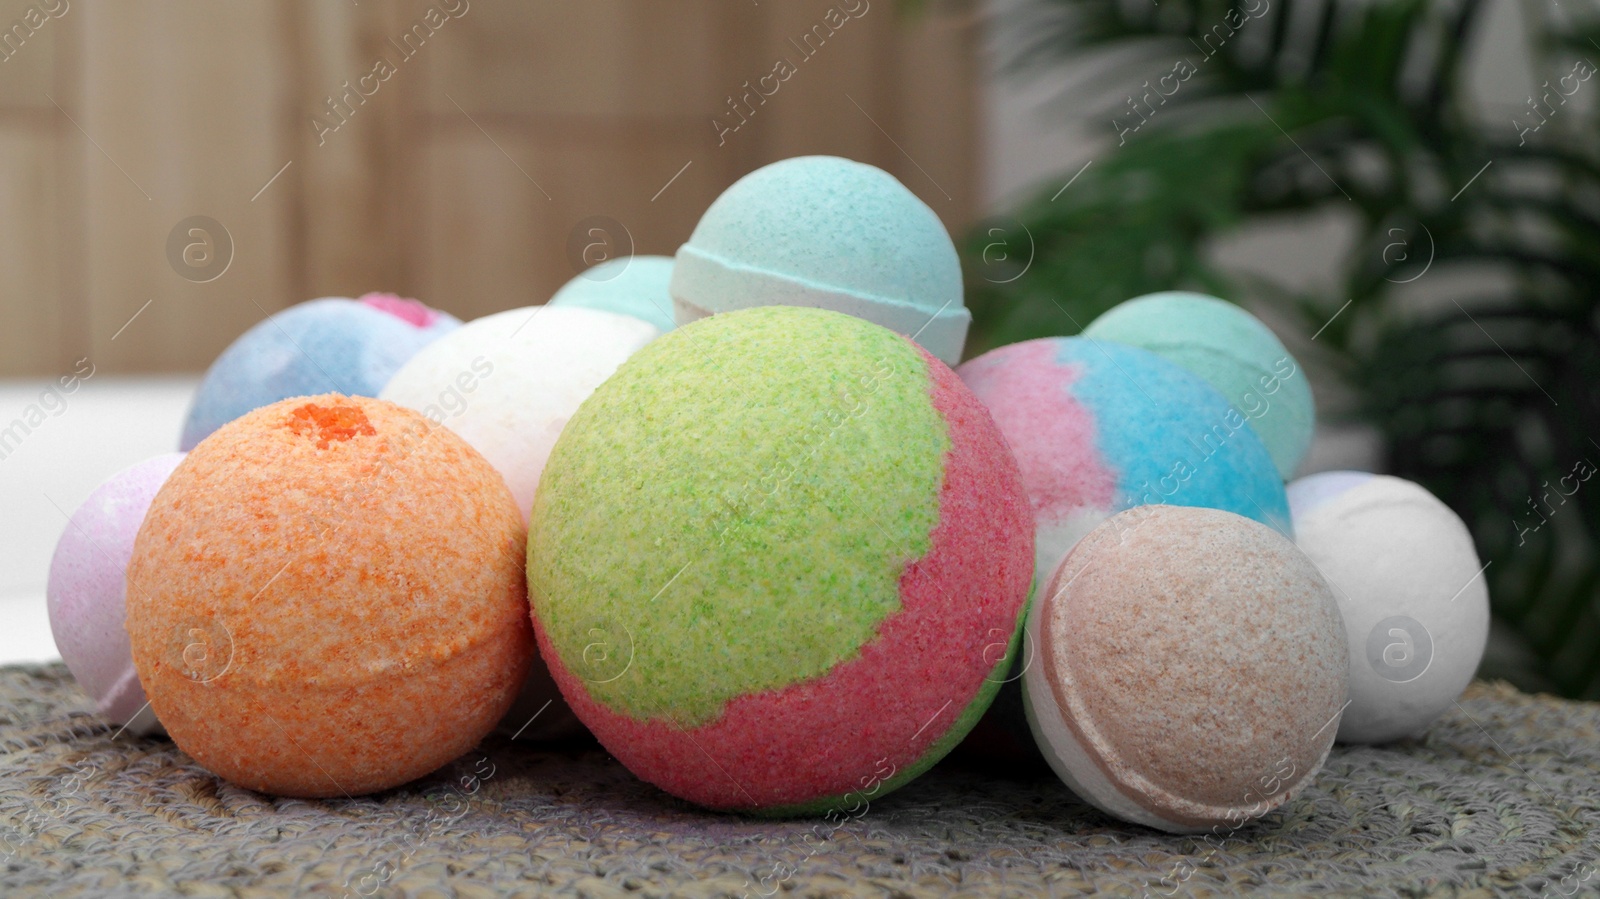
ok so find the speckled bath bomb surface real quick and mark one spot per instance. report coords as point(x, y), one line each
point(1189, 669)
point(326, 598)
point(826, 233)
point(776, 559)
point(1099, 427)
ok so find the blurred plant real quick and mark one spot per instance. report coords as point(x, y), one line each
point(1466, 317)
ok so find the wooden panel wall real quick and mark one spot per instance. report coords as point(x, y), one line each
point(445, 149)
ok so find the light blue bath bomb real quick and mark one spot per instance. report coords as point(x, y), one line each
point(631, 285)
point(331, 345)
point(829, 233)
point(1232, 351)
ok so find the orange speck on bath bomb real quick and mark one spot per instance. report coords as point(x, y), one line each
point(327, 598)
point(331, 423)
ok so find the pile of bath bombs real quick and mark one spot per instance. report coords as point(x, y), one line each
point(746, 517)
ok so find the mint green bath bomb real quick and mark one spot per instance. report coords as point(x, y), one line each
point(829, 233)
point(1232, 351)
point(778, 561)
point(631, 285)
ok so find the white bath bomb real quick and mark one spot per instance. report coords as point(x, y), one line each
point(508, 382)
point(1410, 588)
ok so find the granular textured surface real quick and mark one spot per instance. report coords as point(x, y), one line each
point(1501, 797)
point(841, 425)
point(1198, 659)
point(809, 555)
point(326, 599)
point(827, 233)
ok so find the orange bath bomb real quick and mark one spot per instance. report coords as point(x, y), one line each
point(326, 598)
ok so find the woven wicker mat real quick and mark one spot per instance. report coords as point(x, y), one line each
point(1502, 797)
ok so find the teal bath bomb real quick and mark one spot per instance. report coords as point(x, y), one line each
point(1232, 351)
point(631, 285)
point(829, 233)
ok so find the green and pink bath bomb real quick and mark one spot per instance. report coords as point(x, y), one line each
point(777, 561)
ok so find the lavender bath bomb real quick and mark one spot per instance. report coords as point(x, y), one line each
point(331, 345)
point(86, 594)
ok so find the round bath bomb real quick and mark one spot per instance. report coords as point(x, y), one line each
point(1099, 427)
point(334, 344)
point(631, 285)
point(326, 598)
point(1412, 592)
point(507, 383)
point(771, 558)
point(1232, 351)
point(1191, 668)
point(87, 589)
point(829, 233)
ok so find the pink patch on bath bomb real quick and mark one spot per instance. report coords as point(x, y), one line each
point(409, 311)
point(1029, 394)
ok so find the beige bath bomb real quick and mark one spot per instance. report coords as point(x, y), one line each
point(1190, 669)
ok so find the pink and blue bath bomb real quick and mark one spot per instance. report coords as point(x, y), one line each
point(87, 593)
point(1099, 427)
point(1234, 351)
point(331, 345)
